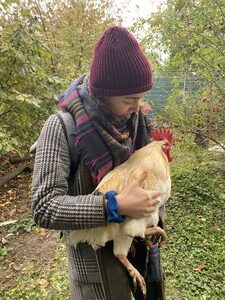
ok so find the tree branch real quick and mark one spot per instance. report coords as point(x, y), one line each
point(7, 111)
point(204, 135)
point(46, 35)
point(211, 42)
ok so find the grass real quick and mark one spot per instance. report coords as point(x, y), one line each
point(194, 257)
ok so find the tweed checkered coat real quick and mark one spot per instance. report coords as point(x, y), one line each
point(62, 204)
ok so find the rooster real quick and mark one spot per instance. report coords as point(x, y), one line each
point(153, 158)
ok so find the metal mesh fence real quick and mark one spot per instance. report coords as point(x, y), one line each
point(163, 87)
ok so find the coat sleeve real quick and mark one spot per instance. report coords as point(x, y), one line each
point(52, 207)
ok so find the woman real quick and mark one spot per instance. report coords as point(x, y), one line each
point(105, 106)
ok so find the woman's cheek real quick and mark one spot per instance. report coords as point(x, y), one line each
point(123, 110)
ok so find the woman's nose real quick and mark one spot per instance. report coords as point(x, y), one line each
point(135, 107)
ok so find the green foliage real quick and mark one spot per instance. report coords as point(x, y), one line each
point(187, 112)
point(194, 257)
point(4, 251)
point(26, 225)
point(189, 35)
point(27, 87)
point(43, 46)
point(7, 143)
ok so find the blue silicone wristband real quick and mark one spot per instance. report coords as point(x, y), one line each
point(112, 207)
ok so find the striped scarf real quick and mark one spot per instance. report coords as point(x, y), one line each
point(103, 142)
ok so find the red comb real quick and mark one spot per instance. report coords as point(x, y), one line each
point(162, 134)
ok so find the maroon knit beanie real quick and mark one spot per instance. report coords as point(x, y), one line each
point(119, 66)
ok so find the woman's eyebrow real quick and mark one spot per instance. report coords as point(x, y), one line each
point(132, 98)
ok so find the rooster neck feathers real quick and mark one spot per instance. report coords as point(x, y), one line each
point(151, 158)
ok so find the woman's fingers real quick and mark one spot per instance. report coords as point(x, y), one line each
point(153, 194)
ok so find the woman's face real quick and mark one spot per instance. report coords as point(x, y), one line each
point(124, 105)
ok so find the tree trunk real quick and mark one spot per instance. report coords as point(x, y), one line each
point(200, 139)
point(18, 159)
point(23, 168)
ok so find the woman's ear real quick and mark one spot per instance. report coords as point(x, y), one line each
point(144, 107)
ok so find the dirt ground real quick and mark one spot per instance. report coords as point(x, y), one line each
point(23, 245)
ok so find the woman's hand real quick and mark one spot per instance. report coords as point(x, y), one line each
point(136, 202)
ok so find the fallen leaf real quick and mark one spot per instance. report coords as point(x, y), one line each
point(42, 282)
point(216, 226)
point(199, 267)
point(201, 218)
point(10, 275)
point(11, 192)
point(4, 241)
point(10, 234)
point(42, 231)
point(12, 212)
point(17, 267)
point(5, 204)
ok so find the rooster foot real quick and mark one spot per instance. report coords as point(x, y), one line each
point(137, 278)
point(156, 231)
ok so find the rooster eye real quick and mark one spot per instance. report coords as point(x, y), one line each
point(166, 146)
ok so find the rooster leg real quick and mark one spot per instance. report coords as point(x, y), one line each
point(121, 246)
point(137, 278)
point(149, 231)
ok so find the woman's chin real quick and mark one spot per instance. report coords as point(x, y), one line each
point(126, 116)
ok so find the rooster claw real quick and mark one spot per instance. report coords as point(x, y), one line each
point(158, 232)
point(136, 276)
point(138, 280)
